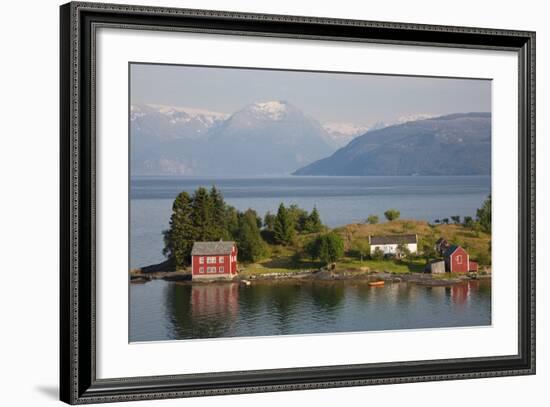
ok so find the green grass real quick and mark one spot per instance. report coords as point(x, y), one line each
point(389, 265)
point(282, 264)
point(282, 260)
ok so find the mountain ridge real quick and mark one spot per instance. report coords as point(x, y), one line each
point(454, 144)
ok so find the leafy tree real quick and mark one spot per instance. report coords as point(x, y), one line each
point(483, 215)
point(179, 238)
point(361, 247)
point(311, 248)
point(392, 214)
point(437, 221)
point(269, 221)
point(377, 254)
point(231, 220)
point(455, 219)
point(403, 250)
point(283, 230)
point(328, 248)
point(468, 221)
point(445, 221)
point(313, 222)
point(249, 241)
point(372, 219)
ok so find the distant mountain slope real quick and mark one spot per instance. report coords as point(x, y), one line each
point(457, 144)
point(265, 138)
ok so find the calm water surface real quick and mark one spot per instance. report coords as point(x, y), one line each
point(161, 310)
point(340, 200)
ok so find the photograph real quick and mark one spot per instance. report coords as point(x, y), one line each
point(266, 202)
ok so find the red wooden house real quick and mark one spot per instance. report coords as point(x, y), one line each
point(457, 260)
point(214, 260)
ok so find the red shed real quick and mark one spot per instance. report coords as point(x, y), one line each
point(457, 260)
point(214, 260)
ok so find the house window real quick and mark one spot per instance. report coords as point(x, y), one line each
point(220, 269)
point(458, 259)
point(201, 260)
point(211, 260)
point(201, 269)
point(211, 269)
point(221, 259)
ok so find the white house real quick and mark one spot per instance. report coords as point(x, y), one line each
point(389, 244)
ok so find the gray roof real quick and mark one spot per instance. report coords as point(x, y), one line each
point(207, 248)
point(392, 239)
point(450, 250)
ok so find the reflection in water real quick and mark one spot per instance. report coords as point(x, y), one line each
point(167, 310)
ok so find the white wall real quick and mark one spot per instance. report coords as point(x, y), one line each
point(29, 190)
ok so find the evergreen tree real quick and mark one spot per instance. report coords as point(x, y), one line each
point(283, 230)
point(298, 217)
point(178, 240)
point(219, 227)
point(313, 223)
point(202, 216)
point(251, 246)
point(269, 221)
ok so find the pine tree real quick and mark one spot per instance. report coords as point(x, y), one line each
point(298, 217)
point(219, 229)
point(269, 221)
point(179, 238)
point(202, 215)
point(283, 230)
point(328, 248)
point(313, 222)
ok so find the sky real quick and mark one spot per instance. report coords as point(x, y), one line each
point(361, 99)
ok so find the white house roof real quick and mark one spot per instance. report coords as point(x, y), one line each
point(208, 248)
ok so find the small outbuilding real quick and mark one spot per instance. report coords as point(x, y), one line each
point(435, 267)
point(457, 260)
point(214, 260)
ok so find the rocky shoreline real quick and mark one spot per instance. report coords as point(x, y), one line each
point(184, 276)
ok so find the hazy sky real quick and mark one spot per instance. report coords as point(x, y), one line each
point(329, 97)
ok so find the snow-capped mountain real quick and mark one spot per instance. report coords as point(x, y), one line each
point(264, 138)
point(341, 134)
point(268, 138)
point(169, 122)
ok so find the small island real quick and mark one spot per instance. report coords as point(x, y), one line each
point(209, 240)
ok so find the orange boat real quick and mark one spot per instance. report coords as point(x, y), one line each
point(376, 283)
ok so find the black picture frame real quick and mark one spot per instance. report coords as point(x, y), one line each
point(78, 381)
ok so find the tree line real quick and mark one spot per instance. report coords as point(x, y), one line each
point(481, 222)
point(205, 216)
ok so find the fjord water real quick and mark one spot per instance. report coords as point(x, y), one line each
point(161, 310)
point(340, 200)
